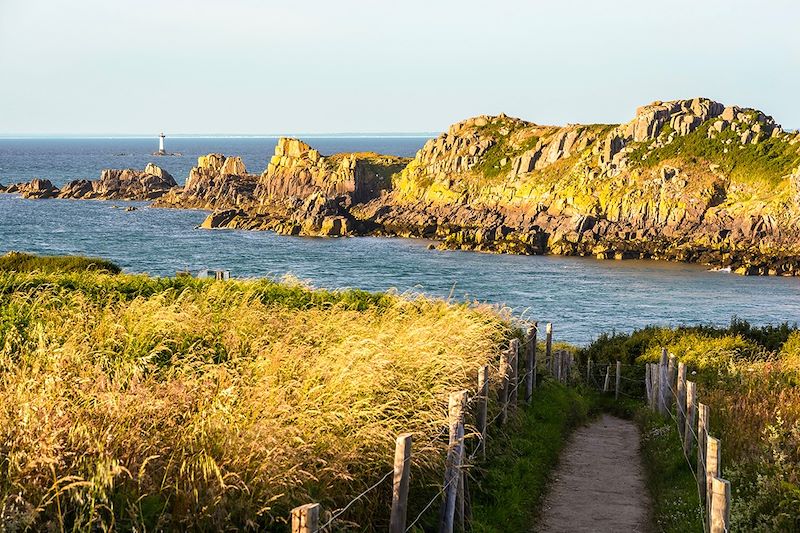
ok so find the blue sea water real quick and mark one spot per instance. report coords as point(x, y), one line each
point(583, 297)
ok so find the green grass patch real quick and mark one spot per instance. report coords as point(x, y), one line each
point(766, 161)
point(23, 262)
point(510, 486)
point(676, 504)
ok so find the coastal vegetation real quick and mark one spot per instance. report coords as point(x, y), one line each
point(750, 376)
point(23, 262)
point(140, 403)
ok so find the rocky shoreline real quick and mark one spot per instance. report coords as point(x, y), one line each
point(688, 180)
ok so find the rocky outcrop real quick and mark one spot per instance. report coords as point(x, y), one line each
point(217, 182)
point(37, 189)
point(297, 170)
point(127, 184)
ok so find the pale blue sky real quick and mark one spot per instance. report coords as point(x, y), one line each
point(248, 66)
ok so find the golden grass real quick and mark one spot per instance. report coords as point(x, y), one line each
point(209, 406)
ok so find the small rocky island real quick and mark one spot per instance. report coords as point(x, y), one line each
point(686, 180)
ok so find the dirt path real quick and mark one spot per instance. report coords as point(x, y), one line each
point(599, 485)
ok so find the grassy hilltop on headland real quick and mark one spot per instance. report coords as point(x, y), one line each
point(686, 180)
point(140, 403)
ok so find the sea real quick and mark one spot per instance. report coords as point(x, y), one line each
point(583, 297)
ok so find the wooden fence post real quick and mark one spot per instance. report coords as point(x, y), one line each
point(682, 400)
point(655, 377)
point(713, 469)
point(548, 347)
point(483, 406)
point(663, 384)
point(402, 476)
point(672, 371)
point(588, 371)
point(305, 519)
point(513, 360)
point(608, 378)
point(530, 364)
point(720, 505)
point(648, 385)
point(617, 380)
point(691, 417)
point(456, 405)
point(503, 391)
point(703, 415)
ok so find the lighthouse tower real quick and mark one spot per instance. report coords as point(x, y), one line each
point(161, 150)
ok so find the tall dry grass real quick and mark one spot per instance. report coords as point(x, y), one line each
point(135, 403)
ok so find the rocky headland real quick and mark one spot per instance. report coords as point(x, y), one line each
point(686, 180)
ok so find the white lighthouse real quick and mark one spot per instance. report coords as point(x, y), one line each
point(161, 150)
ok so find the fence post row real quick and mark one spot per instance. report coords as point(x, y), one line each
point(455, 507)
point(456, 405)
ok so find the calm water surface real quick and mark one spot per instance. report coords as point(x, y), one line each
point(583, 297)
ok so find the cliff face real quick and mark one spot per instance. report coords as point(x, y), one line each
point(687, 180)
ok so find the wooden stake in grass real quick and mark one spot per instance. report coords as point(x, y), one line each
point(456, 405)
point(720, 505)
point(305, 519)
point(617, 380)
point(513, 360)
point(663, 384)
point(713, 469)
point(682, 400)
point(672, 371)
point(703, 415)
point(530, 364)
point(503, 392)
point(483, 406)
point(402, 476)
point(648, 385)
point(548, 347)
point(607, 382)
point(588, 371)
point(691, 417)
point(655, 377)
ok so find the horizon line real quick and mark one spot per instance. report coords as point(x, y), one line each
point(389, 134)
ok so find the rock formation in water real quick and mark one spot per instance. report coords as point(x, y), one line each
point(127, 184)
point(217, 182)
point(689, 180)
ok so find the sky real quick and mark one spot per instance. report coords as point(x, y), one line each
point(261, 66)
